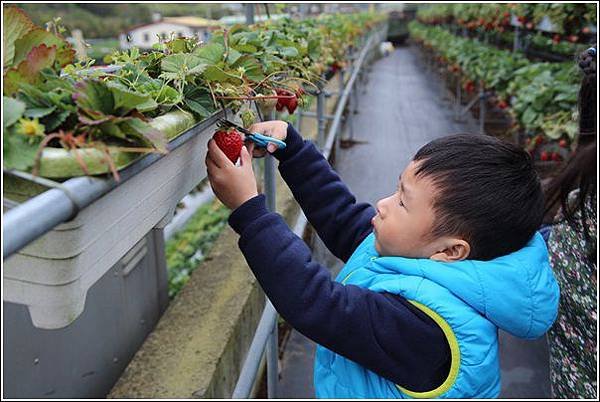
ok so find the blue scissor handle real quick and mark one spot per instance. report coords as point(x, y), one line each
point(263, 140)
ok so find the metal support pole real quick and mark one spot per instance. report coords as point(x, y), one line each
point(350, 112)
point(517, 40)
point(272, 360)
point(250, 13)
point(481, 109)
point(457, 98)
point(320, 117)
point(271, 348)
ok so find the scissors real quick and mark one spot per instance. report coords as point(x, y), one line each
point(259, 139)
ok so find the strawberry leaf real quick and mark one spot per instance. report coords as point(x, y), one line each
point(95, 98)
point(18, 151)
point(211, 54)
point(12, 111)
point(28, 71)
point(35, 38)
point(126, 100)
point(15, 25)
point(214, 73)
point(143, 130)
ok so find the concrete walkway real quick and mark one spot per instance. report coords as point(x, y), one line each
point(401, 111)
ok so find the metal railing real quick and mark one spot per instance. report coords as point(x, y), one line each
point(265, 337)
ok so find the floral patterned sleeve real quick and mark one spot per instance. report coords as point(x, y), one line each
point(572, 338)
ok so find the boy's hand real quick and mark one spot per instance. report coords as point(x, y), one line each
point(233, 185)
point(274, 128)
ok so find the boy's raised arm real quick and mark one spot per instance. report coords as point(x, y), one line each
point(328, 204)
point(379, 331)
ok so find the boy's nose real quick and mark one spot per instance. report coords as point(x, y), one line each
point(378, 206)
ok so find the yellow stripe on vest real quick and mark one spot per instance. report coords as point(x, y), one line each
point(454, 352)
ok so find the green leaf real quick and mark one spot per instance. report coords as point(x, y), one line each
point(246, 48)
point(112, 129)
point(39, 112)
point(53, 121)
point(211, 54)
point(126, 100)
point(572, 129)
point(252, 68)
point(147, 106)
point(290, 52)
point(529, 116)
point(95, 97)
point(197, 108)
point(18, 153)
point(13, 111)
point(177, 63)
point(541, 100)
point(213, 73)
point(313, 49)
point(233, 56)
point(182, 64)
point(137, 127)
point(169, 96)
point(15, 25)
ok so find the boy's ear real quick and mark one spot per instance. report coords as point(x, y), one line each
point(453, 250)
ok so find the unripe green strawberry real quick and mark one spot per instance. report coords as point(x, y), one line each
point(266, 106)
point(248, 118)
point(230, 142)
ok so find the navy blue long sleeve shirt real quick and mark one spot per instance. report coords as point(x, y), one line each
point(380, 331)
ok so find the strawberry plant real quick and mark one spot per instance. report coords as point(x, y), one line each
point(55, 101)
point(542, 96)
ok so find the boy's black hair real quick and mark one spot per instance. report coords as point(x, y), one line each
point(488, 192)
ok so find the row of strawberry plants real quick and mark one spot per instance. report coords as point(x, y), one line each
point(541, 97)
point(570, 21)
point(533, 43)
point(52, 100)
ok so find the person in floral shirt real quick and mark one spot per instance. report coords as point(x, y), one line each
point(572, 246)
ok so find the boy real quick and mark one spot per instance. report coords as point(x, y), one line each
point(431, 273)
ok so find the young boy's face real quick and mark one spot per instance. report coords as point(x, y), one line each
point(405, 218)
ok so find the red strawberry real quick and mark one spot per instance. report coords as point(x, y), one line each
point(556, 39)
point(556, 156)
point(539, 139)
point(544, 156)
point(282, 102)
point(502, 104)
point(573, 38)
point(230, 142)
point(563, 143)
point(292, 104)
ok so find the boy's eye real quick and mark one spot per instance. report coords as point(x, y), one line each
point(399, 199)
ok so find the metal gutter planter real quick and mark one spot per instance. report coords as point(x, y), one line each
point(52, 274)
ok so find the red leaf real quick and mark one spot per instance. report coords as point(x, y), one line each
point(28, 70)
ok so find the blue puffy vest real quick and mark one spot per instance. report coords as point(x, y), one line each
point(468, 299)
